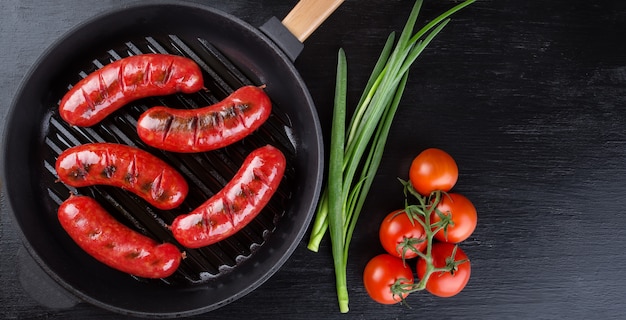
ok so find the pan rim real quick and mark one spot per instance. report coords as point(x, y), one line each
point(22, 88)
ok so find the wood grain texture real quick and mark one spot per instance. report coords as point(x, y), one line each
point(307, 16)
point(528, 96)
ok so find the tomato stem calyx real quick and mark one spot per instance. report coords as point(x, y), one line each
point(410, 244)
point(401, 288)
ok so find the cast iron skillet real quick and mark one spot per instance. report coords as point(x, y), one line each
point(231, 54)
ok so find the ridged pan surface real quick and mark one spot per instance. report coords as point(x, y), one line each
point(236, 56)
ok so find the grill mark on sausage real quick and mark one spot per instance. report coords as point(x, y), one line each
point(120, 77)
point(147, 74)
point(131, 176)
point(90, 104)
point(208, 121)
point(82, 170)
point(168, 73)
point(195, 129)
point(109, 171)
point(103, 91)
point(230, 113)
point(229, 210)
point(258, 174)
point(248, 194)
point(240, 112)
point(219, 122)
point(157, 186)
point(168, 127)
point(109, 168)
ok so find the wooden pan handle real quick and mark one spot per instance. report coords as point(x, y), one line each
point(307, 15)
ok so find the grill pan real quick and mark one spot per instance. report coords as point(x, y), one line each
point(231, 54)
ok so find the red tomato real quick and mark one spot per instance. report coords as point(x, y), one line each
point(446, 283)
point(463, 218)
point(382, 276)
point(400, 237)
point(433, 169)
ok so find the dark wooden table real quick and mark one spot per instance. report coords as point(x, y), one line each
point(528, 96)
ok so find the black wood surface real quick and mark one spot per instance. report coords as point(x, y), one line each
point(528, 96)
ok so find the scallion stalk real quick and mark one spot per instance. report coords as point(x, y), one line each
point(335, 181)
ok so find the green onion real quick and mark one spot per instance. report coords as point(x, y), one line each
point(335, 179)
point(366, 136)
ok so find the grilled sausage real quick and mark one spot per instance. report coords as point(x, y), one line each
point(238, 203)
point(114, 244)
point(118, 83)
point(126, 167)
point(208, 128)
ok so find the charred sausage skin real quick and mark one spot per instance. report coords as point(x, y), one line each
point(207, 128)
point(237, 204)
point(107, 240)
point(126, 167)
point(128, 79)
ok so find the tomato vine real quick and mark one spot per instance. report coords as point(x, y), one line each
point(444, 219)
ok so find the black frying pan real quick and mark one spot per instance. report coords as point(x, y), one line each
point(232, 54)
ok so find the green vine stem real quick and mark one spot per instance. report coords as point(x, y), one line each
point(421, 213)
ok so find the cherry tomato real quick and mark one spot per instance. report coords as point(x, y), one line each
point(382, 276)
point(463, 218)
point(446, 283)
point(433, 169)
point(400, 236)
